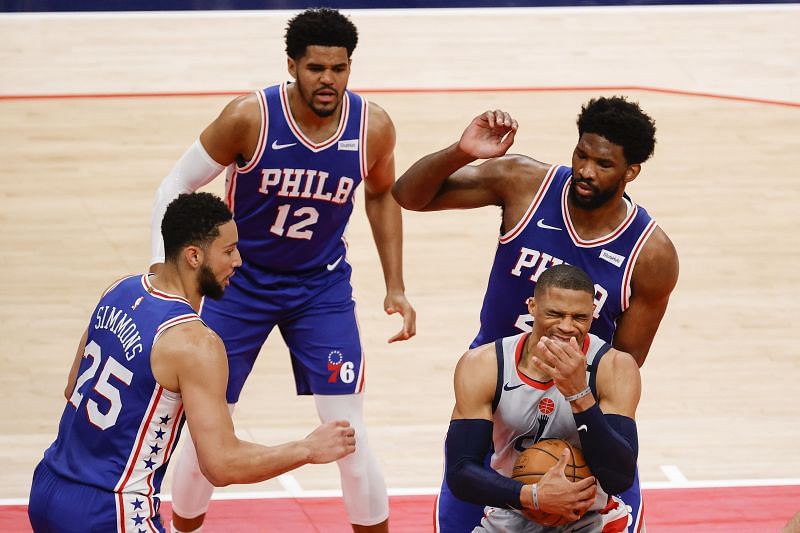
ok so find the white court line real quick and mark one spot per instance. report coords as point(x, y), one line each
point(673, 473)
point(428, 491)
point(721, 483)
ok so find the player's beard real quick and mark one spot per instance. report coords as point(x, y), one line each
point(309, 99)
point(598, 198)
point(209, 286)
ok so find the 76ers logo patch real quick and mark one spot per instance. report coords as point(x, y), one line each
point(339, 369)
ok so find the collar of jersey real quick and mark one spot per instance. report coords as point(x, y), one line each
point(605, 239)
point(160, 294)
point(295, 127)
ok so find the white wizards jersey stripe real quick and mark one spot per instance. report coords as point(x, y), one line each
point(528, 411)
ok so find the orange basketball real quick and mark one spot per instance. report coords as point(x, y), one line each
point(535, 461)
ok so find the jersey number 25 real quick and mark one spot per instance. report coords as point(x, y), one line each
point(102, 386)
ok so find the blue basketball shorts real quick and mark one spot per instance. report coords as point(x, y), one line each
point(315, 314)
point(58, 504)
point(457, 516)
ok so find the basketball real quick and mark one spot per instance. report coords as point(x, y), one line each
point(535, 461)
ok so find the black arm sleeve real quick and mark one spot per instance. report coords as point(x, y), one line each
point(610, 444)
point(467, 445)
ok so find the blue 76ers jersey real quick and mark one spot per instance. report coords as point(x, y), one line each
point(120, 427)
point(545, 237)
point(293, 199)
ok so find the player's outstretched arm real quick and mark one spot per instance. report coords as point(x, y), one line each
point(386, 219)
point(234, 133)
point(445, 180)
point(190, 359)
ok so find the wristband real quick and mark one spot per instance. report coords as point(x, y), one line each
point(535, 492)
point(585, 392)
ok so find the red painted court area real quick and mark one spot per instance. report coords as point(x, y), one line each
point(729, 509)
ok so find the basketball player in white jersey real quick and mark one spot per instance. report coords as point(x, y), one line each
point(590, 392)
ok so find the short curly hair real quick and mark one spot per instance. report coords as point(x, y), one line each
point(321, 27)
point(192, 219)
point(564, 276)
point(623, 123)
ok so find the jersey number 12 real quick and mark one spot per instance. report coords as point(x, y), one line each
point(308, 217)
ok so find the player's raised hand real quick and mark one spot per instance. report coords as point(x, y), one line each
point(558, 495)
point(398, 303)
point(489, 135)
point(331, 441)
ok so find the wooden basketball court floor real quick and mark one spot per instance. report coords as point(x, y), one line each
point(94, 110)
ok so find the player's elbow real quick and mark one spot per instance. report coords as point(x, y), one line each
point(217, 473)
point(457, 484)
point(617, 480)
point(406, 200)
point(217, 476)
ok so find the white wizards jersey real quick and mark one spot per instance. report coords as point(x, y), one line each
point(528, 411)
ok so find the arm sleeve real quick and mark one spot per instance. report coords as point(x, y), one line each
point(467, 445)
point(610, 444)
point(194, 169)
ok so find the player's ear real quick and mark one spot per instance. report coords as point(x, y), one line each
point(193, 256)
point(291, 65)
point(631, 172)
point(531, 305)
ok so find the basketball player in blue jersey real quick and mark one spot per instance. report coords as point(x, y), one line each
point(557, 382)
point(296, 152)
point(146, 363)
point(553, 214)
